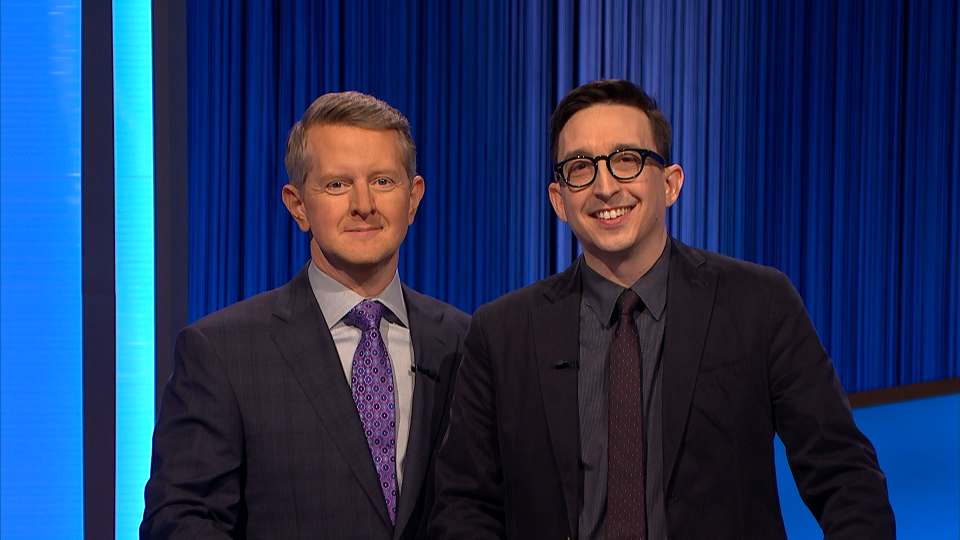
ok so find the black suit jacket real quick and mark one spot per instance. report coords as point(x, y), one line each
point(741, 361)
point(258, 435)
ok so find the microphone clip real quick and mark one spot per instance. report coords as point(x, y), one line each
point(429, 373)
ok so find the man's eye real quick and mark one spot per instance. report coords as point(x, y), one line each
point(384, 183)
point(336, 187)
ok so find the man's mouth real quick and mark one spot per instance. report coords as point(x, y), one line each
point(612, 213)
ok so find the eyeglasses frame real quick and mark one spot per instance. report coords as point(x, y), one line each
point(644, 154)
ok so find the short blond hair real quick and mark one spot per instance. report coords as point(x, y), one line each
point(345, 109)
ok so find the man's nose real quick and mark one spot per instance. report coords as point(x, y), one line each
point(362, 199)
point(604, 185)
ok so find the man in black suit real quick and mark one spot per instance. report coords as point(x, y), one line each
point(315, 410)
point(637, 394)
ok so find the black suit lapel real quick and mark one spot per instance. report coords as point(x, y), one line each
point(429, 347)
point(556, 330)
point(303, 339)
point(691, 290)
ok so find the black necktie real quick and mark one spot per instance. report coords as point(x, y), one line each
point(626, 504)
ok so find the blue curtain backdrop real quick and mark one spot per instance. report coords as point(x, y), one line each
point(818, 137)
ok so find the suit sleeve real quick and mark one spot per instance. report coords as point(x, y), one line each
point(196, 472)
point(469, 475)
point(834, 465)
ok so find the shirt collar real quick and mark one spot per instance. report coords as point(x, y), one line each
point(336, 300)
point(601, 294)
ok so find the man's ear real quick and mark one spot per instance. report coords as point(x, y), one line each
point(416, 195)
point(293, 202)
point(556, 200)
point(672, 182)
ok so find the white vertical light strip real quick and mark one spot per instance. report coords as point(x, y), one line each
point(41, 307)
point(134, 232)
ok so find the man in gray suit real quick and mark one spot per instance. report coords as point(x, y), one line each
point(314, 410)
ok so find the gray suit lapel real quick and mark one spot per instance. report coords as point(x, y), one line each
point(691, 290)
point(430, 346)
point(301, 335)
point(556, 330)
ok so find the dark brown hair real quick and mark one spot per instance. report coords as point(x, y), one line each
point(610, 92)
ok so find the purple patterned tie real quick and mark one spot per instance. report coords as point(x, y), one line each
point(626, 504)
point(372, 381)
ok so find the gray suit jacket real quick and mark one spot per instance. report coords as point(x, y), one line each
point(258, 435)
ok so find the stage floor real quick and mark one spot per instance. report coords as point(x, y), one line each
point(918, 445)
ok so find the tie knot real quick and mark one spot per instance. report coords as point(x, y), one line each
point(365, 315)
point(627, 303)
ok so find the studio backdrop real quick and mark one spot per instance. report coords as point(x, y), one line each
point(821, 138)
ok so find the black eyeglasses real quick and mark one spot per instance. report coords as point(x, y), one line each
point(624, 164)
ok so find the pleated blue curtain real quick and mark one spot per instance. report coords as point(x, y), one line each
point(821, 138)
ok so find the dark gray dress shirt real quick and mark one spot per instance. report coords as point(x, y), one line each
point(597, 326)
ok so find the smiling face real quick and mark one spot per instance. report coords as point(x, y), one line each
point(356, 202)
point(620, 225)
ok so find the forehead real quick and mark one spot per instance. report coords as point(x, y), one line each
point(341, 146)
point(602, 128)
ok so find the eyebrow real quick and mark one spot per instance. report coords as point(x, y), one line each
point(397, 173)
point(582, 152)
point(388, 172)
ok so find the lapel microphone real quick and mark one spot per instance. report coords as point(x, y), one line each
point(429, 373)
point(566, 364)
